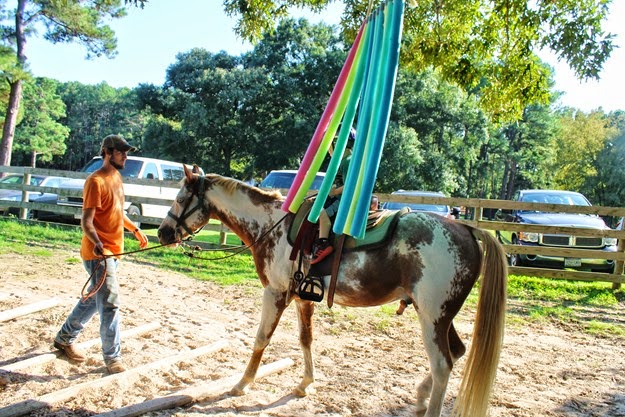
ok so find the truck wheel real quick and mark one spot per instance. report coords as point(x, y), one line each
point(132, 212)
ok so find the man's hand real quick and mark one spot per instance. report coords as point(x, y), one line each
point(141, 237)
point(98, 249)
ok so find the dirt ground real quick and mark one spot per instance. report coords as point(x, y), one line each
point(367, 362)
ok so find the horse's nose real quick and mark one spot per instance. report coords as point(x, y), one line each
point(165, 235)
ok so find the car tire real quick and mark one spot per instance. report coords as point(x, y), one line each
point(134, 211)
point(514, 259)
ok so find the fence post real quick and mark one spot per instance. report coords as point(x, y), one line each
point(618, 267)
point(223, 236)
point(25, 181)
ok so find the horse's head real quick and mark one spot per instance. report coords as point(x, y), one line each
point(189, 213)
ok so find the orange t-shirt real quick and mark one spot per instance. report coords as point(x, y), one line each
point(105, 193)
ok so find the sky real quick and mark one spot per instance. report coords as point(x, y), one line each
point(150, 39)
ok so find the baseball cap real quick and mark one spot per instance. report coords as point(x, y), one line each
point(117, 142)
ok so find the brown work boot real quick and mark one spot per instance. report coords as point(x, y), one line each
point(115, 366)
point(72, 352)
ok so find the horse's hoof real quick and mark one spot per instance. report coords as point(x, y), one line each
point(237, 392)
point(300, 392)
point(303, 391)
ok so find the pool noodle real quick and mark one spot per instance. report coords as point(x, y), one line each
point(352, 187)
point(323, 124)
point(348, 119)
point(389, 75)
point(327, 139)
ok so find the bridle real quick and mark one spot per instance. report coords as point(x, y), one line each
point(198, 190)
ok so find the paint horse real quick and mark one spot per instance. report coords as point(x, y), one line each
point(431, 261)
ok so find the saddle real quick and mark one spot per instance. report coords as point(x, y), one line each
point(380, 227)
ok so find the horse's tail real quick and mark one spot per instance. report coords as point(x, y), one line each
point(481, 366)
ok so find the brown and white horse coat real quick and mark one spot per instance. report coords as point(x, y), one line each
point(430, 260)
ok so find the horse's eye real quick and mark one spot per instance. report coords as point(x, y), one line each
point(180, 200)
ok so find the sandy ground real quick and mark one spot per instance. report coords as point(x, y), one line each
point(368, 363)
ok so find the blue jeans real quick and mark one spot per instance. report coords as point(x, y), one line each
point(106, 302)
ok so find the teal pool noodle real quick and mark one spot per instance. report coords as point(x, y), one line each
point(392, 49)
point(367, 117)
point(315, 142)
point(348, 120)
point(362, 132)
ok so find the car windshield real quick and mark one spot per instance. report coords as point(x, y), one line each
point(285, 180)
point(131, 169)
point(568, 199)
point(434, 208)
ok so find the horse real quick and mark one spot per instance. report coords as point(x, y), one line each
point(429, 260)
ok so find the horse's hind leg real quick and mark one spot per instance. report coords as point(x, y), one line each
point(457, 349)
point(305, 310)
point(274, 304)
point(436, 341)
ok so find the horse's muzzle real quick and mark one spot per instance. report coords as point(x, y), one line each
point(167, 235)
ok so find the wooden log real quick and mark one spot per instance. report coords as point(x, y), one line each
point(47, 357)
point(28, 309)
point(28, 406)
point(195, 393)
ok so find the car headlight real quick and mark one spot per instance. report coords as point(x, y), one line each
point(529, 237)
point(609, 241)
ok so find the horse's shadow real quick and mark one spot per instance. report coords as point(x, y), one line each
point(210, 406)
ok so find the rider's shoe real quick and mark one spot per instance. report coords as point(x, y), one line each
point(323, 249)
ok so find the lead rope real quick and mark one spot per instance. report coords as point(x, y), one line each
point(84, 297)
point(238, 249)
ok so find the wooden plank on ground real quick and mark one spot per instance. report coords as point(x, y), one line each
point(28, 309)
point(28, 406)
point(47, 357)
point(195, 393)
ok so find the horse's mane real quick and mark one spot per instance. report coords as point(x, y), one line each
point(232, 185)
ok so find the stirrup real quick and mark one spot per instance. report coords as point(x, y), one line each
point(311, 289)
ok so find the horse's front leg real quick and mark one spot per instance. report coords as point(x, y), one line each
point(274, 304)
point(305, 310)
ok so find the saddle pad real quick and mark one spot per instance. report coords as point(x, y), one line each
point(378, 235)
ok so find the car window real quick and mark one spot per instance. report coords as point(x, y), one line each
point(150, 172)
point(172, 172)
point(131, 169)
point(13, 179)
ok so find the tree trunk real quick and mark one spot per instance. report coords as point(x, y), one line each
point(10, 120)
point(15, 96)
point(33, 159)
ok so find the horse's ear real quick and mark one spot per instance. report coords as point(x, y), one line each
point(187, 173)
point(196, 169)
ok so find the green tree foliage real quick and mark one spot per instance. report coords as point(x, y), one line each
point(39, 134)
point(451, 130)
point(246, 115)
point(583, 144)
point(529, 150)
point(609, 184)
point(93, 112)
point(81, 21)
point(487, 47)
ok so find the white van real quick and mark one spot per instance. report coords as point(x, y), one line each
point(137, 168)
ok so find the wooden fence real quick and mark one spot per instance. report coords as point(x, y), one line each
point(473, 207)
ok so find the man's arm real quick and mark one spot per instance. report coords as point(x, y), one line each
point(88, 229)
point(137, 233)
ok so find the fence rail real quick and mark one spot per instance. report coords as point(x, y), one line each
point(473, 207)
